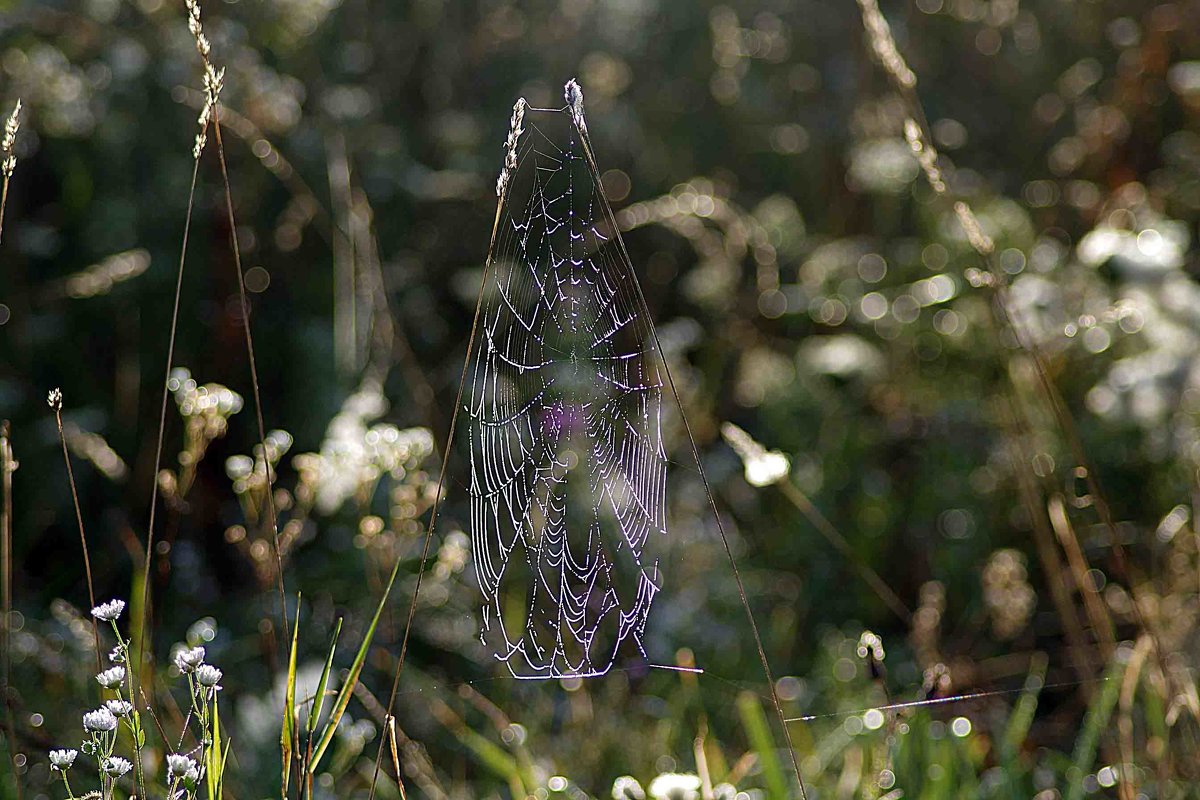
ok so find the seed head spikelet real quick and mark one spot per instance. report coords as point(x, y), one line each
point(980, 241)
point(926, 154)
point(510, 145)
point(884, 46)
point(573, 93)
point(10, 140)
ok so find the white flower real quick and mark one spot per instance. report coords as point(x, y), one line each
point(627, 787)
point(62, 760)
point(120, 708)
point(208, 675)
point(99, 720)
point(675, 786)
point(179, 765)
point(116, 766)
point(110, 611)
point(117, 655)
point(111, 678)
point(188, 660)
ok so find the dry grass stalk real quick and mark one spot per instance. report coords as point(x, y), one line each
point(1098, 616)
point(55, 399)
point(7, 466)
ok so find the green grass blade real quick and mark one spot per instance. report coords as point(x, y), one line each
point(491, 755)
point(319, 698)
point(224, 761)
point(1095, 721)
point(1022, 715)
point(213, 757)
point(360, 658)
point(758, 731)
point(287, 734)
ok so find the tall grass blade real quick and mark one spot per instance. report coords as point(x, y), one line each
point(1095, 721)
point(319, 697)
point(1022, 715)
point(287, 734)
point(758, 731)
point(347, 690)
point(213, 756)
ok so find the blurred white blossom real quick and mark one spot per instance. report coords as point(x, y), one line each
point(763, 467)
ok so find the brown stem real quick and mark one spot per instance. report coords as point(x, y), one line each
point(87, 561)
point(6, 515)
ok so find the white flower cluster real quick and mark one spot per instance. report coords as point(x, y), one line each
point(354, 456)
point(119, 708)
point(668, 786)
point(111, 678)
point(100, 726)
point(209, 400)
point(181, 766)
point(62, 760)
point(110, 611)
point(100, 721)
point(251, 473)
point(188, 660)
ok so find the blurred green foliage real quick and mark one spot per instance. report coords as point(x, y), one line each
point(808, 285)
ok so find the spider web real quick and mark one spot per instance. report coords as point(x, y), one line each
point(564, 401)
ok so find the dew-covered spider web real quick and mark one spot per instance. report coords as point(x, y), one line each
point(563, 403)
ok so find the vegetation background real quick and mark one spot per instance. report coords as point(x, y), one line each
point(811, 287)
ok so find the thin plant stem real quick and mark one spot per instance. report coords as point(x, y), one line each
point(3, 203)
point(158, 448)
point(800, 500)
point(6, 514)
point(254, 385)
point(56, 404)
